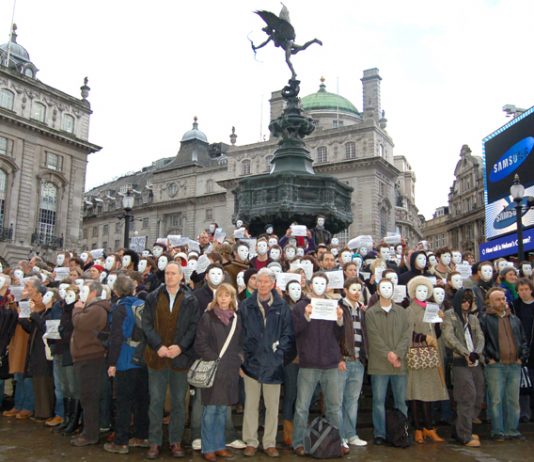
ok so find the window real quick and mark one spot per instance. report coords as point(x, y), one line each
point(3, 186)
point(118, 227)
point(28, 72)
point(53, 161)
point(7, 99)
point(209, 186)
point(175, 220)
point(145, 222)
point(6, 146)
point(209, 214)
point(47, 212)
point(105, 245)
point(268, 163)
point(68, 123)
point(105, 231)
point(245, 167)
point(85, 234)
point(117, 244)
point(350, 150)
point(38, 112)
point(95, 231)
point(322, 154)
point(337, 123)
point(381, 150)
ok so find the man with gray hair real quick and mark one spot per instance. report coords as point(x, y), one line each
point(268, 342)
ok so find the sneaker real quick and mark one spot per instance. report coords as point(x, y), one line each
point(497, 437)
point(11, 413)
point(116, 448)
point(474, 443)
point(54, 421)
point(196, 444)
point(356, 441)
point(138, 443)
point(237, 444)
point(344, 444)
point(23, 415)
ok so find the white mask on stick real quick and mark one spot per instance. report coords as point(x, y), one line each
point(110, 261)
point(457, 282)
point(79, 283)
point(126, 260)
point(527, 270)
point(141, 267)
point(456, 258)
point(421, 293)
point(289, 253)
point(261, 248)
point(346, 257)
point(240, 279)
point(274, 254)
point(111, 280)
point(393, 277)
point(60, 259)
point(486, 273)
point(420, 261)
point(319, 286)
point(216, 276)
point(385, 289)
point(294, 291)
point(84, 293)
point(432, 260)
point(157, 251)
point(300, 252)
point(19, 274)
point(445, 259)
point(162, 262)
point(273, 241)
point(47, 298)
point(439, 295)
point(242, 252)
point(63, 290)
point(70, 297)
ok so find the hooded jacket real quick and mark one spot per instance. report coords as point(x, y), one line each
point(88, 322)
point(405, 277)
point(347, 339)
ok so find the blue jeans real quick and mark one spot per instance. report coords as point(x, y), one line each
point(58, 391)
point(24, 397)
point(379, 386)
point(196, 417)
point(212, 428)
point(291, 372)
point(350, 387)
point(308, 379)
point(502, 381)
point(157, 387)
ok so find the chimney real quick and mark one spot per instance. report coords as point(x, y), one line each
point(372, 109)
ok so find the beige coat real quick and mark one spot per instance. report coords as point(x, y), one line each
point(18, 350)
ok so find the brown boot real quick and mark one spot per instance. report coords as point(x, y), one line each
point(287, 437)
point(432, 434)
point(418, 437)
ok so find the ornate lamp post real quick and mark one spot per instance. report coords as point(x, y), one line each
point(517, 191)
point(127, 205)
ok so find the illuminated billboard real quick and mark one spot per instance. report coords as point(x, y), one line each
point(508, 151)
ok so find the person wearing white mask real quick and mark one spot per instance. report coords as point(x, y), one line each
point(454, 282)
point(525, 270)
point(89, 319)
point(130, 260)
point(483, 284)
point(425, 386)
point(352, 365)
point(456, 257)
point(158, 249)
point(319, 358)
point(388, 336)
point(290, 254)
point(275, 253)
point(261, 260)
point(239, 262)
point(87, 260)
point(443, 267)
point(418, 267)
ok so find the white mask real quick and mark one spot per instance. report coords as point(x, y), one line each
point(384, 253)
point(273, 241)
point(126, 260)
point(421, 293)
point(457, 282)
point(70, 297)
point(289, 253)
point(192, 264)
point(346, 257)
point(60, 259)
point(398, 249)
point(47, 298)
point(439, 295)
point(502, 264)
point(393, 277)
point(420, 261)
point(110, 261)
point(240, 279)
point(162, 262)
point(275, 267)
point(486, 273)
point(319, 286)
point(84, 256)
point(111, 280)
point(456, 258)
point(357, 261)
point(432, 260)
point(35, 270)
point(527, 270)
point(239, 223)
point(320, 222)
point(79, 283)
point(269, 230)
point(211, 229)
point(294, 291)
point(300, 252)
point(261, 248)
point(19, 275)
point(363, 251)
point(63, 290)
point(145, 253)
point(102, 276)
point(445, 259)
point(355, 289)
point(334, 241)
point(274, 254)
point(386, 289)
point(334, 251)
point(84, 293)
point(242, 252)
point(216, 277)
point(104, 295)
point(141, 267)
point(157, 251)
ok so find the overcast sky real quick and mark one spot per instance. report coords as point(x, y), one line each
point(447, 69)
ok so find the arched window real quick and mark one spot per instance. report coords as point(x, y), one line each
point(245, 167)
point(3, 189)
point(47, 212)
point(268, 163)
point(322, 155)
point(6, 146)
point(68, 123)
point(350, 150)
point(38, 112)
point(381, 150)
point(7, 99)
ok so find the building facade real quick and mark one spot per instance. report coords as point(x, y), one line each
point(460, 225)
point(184, 193)
point(43, 156)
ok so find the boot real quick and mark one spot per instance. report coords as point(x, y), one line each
point(419, 438)
point(287, 437)
point(74, 424)
point(67, 413)
point(432, 434)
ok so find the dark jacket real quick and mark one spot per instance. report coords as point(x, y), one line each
point(204, 296)
point(186, 326)
point(36, 363)
point(210, 338)
point(260, 337)
point(490, 327)
point(88, 323)
point(317, 339)
point(525, 312)
point(65, 331)
point(347, 339)
point(407, 276)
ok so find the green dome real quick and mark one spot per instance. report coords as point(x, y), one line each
point(324, 100)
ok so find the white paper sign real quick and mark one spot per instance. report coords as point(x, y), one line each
point(365, 275)
point(307, 266)
point(432, 279)
point(52, 329)
point(24, 309)
point(16, 291)
point(193, 246)
point(97, 253)
point(138, 243)
point(399, 294)
point(283, 279)
point(431, 313)
point(335, 279)
point(378, 274)
point(62, 272)
point(298, 230)
point(393, 239)
point(174, 240)
point(219, 235)
point(251, 247)
point(202, 264)
point(323, 308)
point(239, 233)
point(464, 269)
point(162, 240)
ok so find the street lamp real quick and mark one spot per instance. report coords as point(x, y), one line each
point(127, 205)
point(517, 191)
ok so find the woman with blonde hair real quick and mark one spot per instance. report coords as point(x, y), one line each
point(218, 323)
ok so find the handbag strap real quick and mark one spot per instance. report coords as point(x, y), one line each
point(229, 338)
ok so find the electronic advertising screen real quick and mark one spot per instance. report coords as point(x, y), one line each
point(508, 151)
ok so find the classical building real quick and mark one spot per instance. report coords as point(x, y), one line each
point(461, 224)
point(184, 193)
point(43, 156)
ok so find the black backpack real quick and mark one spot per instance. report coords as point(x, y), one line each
point(322, 440)
point(397, 429)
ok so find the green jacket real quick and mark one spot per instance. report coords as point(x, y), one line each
point(452, 330)
point(387, 332)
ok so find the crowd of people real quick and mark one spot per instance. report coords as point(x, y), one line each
point(100, 341)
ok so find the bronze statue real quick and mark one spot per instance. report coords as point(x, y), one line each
point(282, 33)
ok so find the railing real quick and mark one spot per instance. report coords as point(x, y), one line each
point(6, 234)
point(53, 242)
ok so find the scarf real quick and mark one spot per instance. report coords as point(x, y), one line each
point(511, 289)
point(225, 316)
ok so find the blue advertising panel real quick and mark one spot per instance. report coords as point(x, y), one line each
point(508, 151)
point(505, 246)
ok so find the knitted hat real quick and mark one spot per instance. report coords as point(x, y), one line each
point(100, 268)
point(419, 281)
point(506, 270)
point(248, 274)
